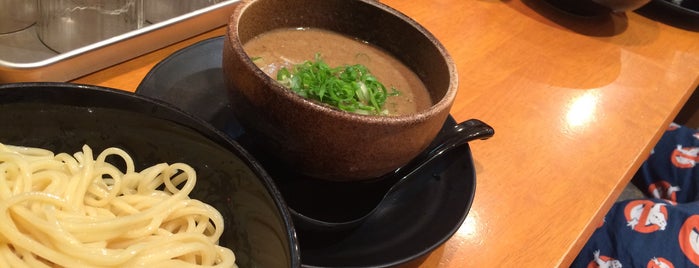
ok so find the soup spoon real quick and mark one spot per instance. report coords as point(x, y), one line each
point(357, 201)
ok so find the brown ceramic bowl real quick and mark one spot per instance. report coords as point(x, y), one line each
point(596, 7)
point(318, 140)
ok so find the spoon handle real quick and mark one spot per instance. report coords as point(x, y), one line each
point(461, 134)
point(449, 139)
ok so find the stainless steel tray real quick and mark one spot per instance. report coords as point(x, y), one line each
point(24, 58)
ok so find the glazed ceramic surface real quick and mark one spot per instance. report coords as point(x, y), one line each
point(318, 140)
point(63, 117)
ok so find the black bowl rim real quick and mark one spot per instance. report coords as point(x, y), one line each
point(230, 144)
point(677, 7)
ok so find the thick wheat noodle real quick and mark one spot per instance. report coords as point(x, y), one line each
point(58, 210)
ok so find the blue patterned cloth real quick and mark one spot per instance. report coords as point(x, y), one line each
point(663, 229)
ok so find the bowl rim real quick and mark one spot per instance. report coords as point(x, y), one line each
point(208, 130)
point(444, 103)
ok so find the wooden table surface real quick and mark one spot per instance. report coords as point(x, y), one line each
point(577, 104)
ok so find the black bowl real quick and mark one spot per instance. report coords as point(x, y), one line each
point(63, 117)
point(597, 7)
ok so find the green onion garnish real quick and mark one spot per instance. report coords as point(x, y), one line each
point(350, 88)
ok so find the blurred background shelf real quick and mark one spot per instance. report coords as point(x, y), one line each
point(24, 58)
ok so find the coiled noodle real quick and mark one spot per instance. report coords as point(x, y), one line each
point(58, 210)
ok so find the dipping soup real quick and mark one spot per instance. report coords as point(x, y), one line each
point(281, 48)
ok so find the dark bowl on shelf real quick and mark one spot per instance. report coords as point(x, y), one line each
point(596, 7)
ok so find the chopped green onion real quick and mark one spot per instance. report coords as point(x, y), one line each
point(350, 88)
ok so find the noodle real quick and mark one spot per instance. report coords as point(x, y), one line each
point(80, 211)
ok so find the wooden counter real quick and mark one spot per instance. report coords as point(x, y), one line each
point(577, 104)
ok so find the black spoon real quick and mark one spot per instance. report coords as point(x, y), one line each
point(328, 206)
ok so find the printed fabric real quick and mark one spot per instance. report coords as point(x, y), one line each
point(663, 229)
